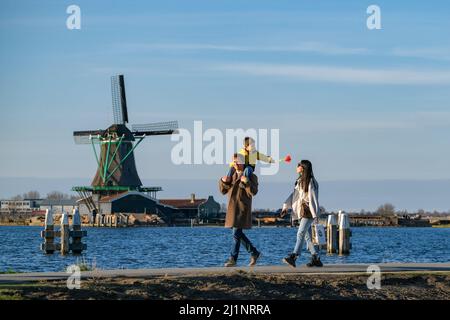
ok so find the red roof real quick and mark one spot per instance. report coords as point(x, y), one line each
point(182, 203)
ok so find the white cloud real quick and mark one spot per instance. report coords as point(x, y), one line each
point(312, 47)
point(341, 74)
point(423, 53)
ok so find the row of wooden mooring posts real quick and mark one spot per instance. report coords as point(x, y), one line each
point(338, 234)
point(70, 238)
point(112, 221)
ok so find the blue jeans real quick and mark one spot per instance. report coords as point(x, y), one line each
point(247, 171)
point(304, 233)
point(238, 238)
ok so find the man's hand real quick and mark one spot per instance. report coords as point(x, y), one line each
point(226, 179)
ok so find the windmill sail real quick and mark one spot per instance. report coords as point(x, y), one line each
point(119, 101)
point(152, 129)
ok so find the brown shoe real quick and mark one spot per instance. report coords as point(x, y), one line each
point(231, 262)
point(254, 258)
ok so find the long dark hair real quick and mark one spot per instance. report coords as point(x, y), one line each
point(307, 175)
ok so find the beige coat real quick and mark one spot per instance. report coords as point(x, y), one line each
point(311, 198)
point(239, 212)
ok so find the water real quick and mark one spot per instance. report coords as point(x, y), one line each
point(132, 248)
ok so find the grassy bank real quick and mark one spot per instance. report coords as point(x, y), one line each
point(242, 285)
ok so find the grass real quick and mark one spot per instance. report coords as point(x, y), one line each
point(7, 294)
point(85, 265)
point(9, 271)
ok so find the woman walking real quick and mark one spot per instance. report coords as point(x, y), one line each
point(304, 202)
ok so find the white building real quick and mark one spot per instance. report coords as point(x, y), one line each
point(21, 205)
point(59, 206)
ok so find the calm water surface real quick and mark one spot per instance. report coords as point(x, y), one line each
point(208, 246)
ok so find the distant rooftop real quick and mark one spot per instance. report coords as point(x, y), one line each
point(63, 202)
point(182, 203)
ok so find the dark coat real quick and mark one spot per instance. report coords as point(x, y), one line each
point(239, 212)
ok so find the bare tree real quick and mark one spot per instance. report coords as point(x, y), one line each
point(386, 209)
point(17, 197)
point(32, 195)
point(56, 195)
point(74, 197)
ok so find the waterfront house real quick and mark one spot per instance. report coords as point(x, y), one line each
point(193, 208)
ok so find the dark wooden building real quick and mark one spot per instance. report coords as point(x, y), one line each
point(193, 208)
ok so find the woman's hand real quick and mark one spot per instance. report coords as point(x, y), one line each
point(244, 179)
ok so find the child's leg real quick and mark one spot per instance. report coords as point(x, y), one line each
point(248, 171)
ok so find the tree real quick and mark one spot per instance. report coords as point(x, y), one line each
point(56, 195)
point(17, 197)
point(74, 197)
point(32, 195)
point(386, 209)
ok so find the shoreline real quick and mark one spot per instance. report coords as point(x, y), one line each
point(215, 226)
point(341, 282)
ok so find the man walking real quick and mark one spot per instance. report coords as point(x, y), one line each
point(240, 190)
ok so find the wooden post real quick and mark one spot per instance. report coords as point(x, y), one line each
point(339, 217)
point(94, 216)
point(49, 234)
point(77, 234)
point(344, 235)
point(65, 233)
point(332, 234)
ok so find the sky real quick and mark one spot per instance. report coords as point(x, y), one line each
point(363, 105)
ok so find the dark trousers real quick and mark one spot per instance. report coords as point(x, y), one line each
point(238, 238)
point(248, 171)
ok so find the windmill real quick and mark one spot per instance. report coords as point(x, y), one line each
point(116, 171)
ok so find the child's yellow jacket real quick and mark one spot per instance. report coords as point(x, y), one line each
point(251, 158)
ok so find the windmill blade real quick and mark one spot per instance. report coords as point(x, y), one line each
point(153, 129)
point(84, 137)
point(119, 101)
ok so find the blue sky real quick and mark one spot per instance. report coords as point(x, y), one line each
point(361, 104)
